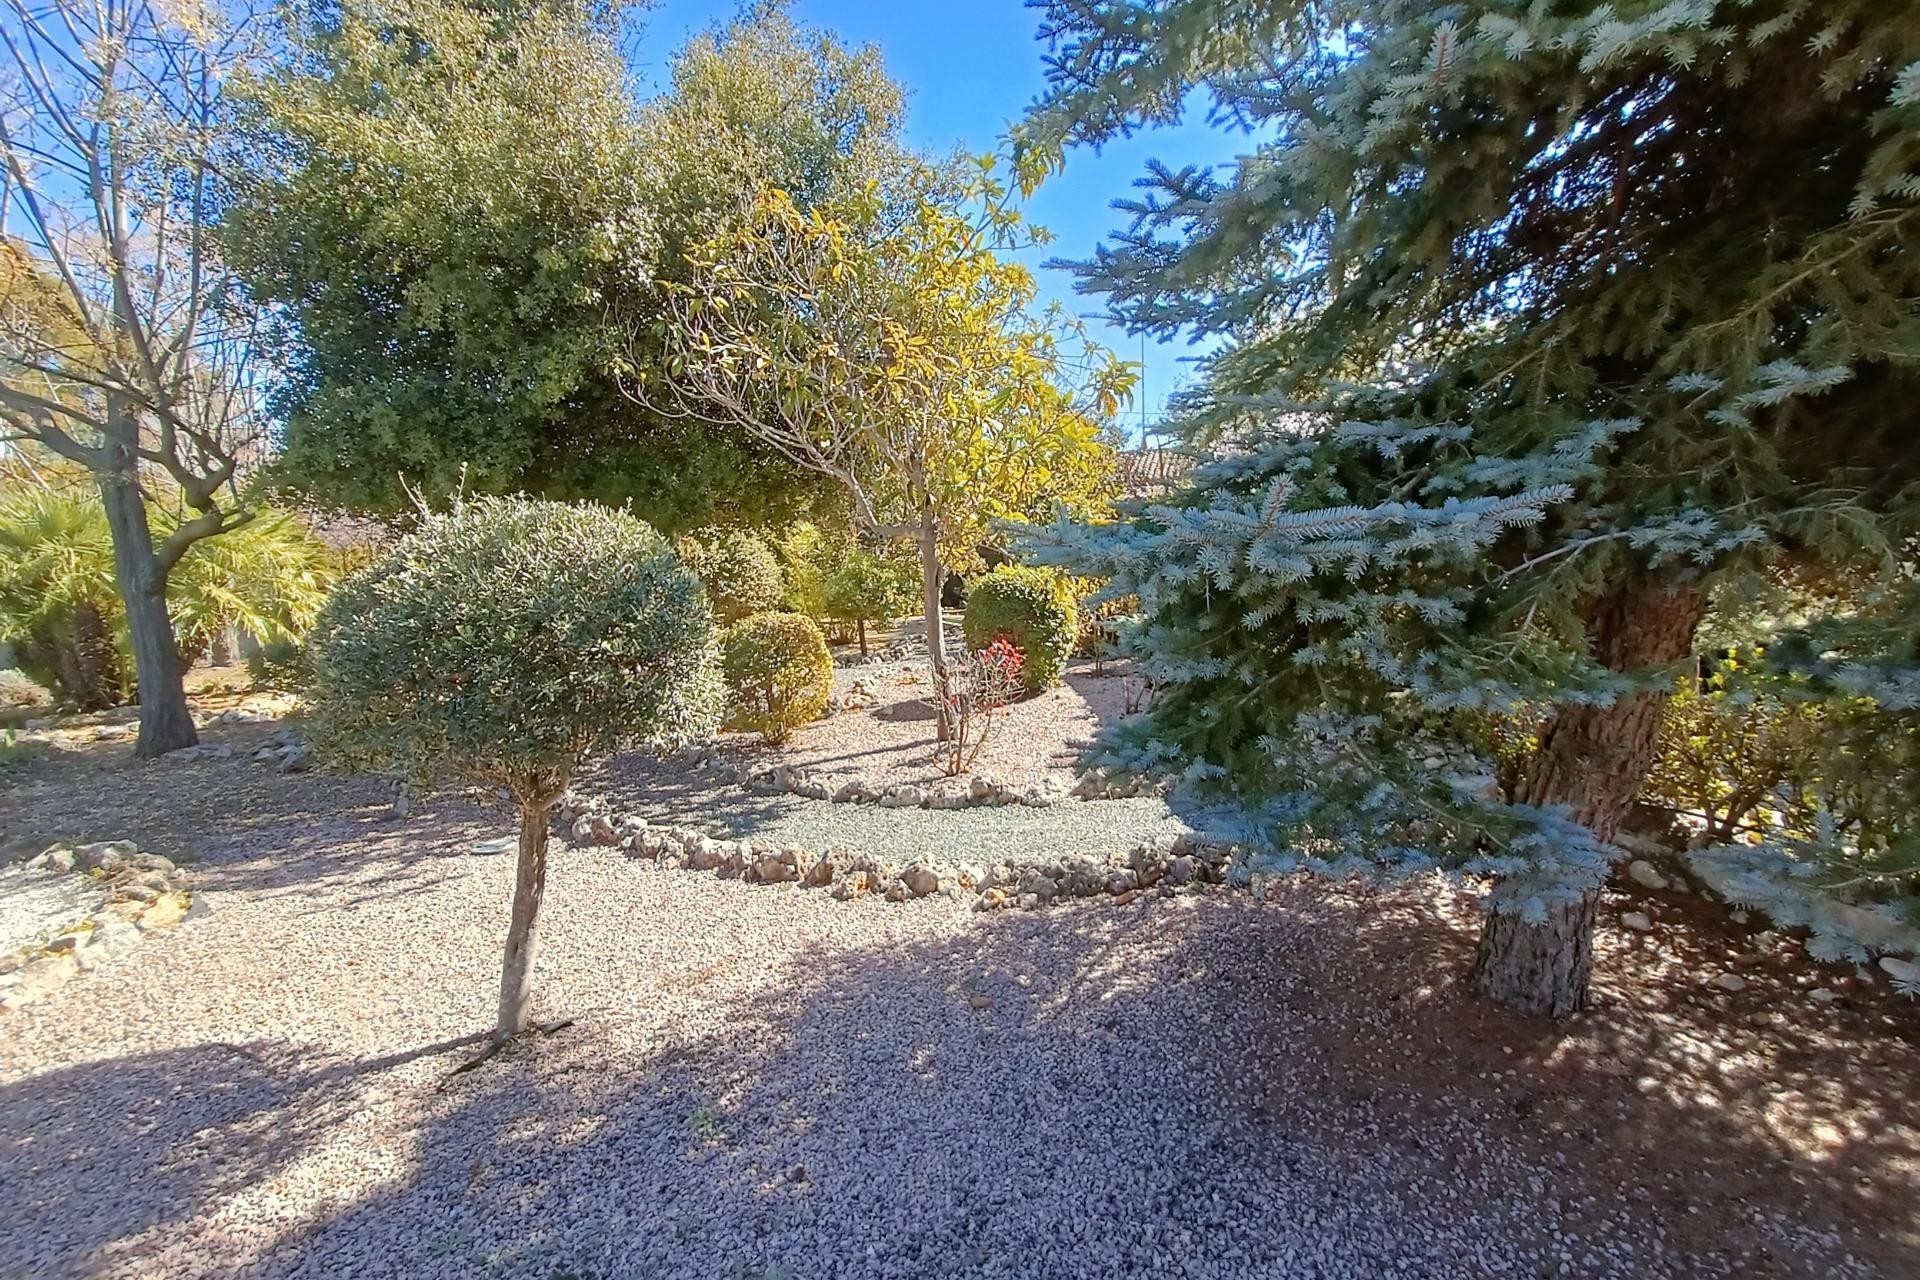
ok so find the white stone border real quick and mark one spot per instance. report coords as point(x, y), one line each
point(145, 893)
point(1154, 866)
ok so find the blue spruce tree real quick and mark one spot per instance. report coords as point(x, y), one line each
point(1537, 326)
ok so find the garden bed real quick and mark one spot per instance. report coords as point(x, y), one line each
point(891, 743)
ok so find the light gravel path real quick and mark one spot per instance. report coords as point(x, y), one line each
point(765, 1082)
point(666, 792)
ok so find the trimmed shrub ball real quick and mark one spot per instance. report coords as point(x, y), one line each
point(1034, 610)
point(741, 573)
point(778, 672)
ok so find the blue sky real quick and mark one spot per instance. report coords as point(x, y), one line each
point(970, 67)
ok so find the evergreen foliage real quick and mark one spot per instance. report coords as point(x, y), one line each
point(778, 671)
point(1034, 610)
point(738, 569)
point(453, 315)
point(508, 642)
point(1534, 324)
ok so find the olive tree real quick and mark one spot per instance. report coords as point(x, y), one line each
point(508, 642)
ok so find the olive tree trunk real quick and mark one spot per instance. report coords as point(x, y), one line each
point(166, 724)
point(1592, 760)
point(529, 886)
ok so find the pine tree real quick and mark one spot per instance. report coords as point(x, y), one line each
point(1534, 322)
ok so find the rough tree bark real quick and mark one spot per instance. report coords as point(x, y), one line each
point(1591, 760)
point(529, 886)
point(166, 723)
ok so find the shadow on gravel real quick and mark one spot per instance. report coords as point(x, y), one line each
point(92, 1155)
point(1205, 1087)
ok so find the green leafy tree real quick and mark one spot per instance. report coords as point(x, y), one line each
point(508, 642)
point(453, 315)
point(1534, 324)
point(865, 587)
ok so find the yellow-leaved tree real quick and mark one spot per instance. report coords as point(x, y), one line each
point(886, 341)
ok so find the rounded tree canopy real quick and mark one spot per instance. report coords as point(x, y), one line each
point(741, 573)
point(509, 641)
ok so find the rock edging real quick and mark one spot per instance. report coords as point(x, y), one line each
point(1158, 866)
point(978, 790)
point(146, 893)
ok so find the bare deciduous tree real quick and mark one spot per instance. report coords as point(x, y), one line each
point(124, 345)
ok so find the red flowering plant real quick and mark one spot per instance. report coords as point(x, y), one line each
point(979, 686)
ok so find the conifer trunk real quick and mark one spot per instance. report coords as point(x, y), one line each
point(1591, 760)
point(529, 887)
point(166, 723)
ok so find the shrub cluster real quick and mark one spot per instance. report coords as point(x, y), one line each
point(778, 671)
point(1031, 608)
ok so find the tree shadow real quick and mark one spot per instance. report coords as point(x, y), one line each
point(103, 1164)
point(1192, 1088)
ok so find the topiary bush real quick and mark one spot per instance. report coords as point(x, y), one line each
point(507, 643)
point(1032, 608)
point(778, 672)
point(741, 573)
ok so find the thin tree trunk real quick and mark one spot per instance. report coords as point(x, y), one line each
point(1592, 760)
point(529, 886)
point(166, 724)
point(862, 625)
point(930, 574)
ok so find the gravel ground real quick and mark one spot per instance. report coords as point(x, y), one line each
point(667, 792)
point(764, 1082)
point(35, 905)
